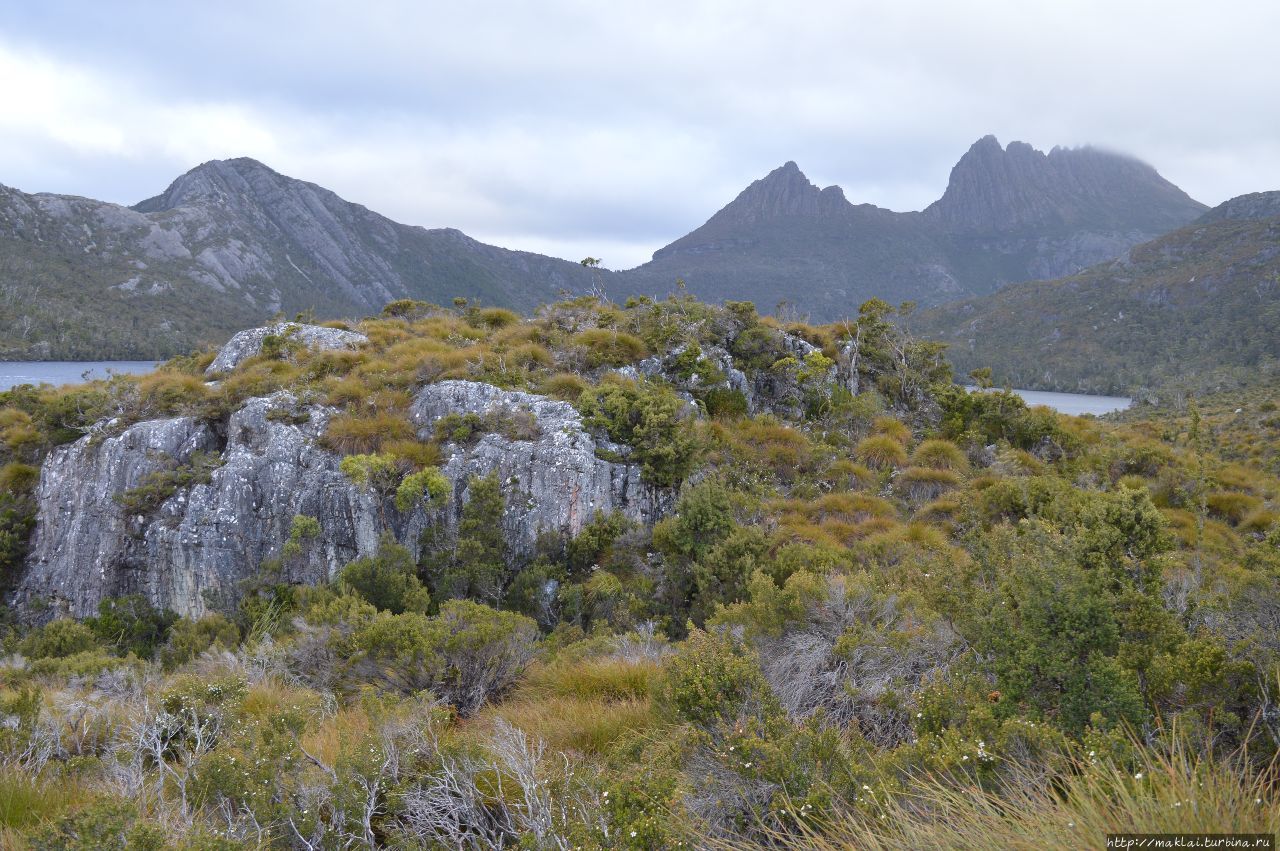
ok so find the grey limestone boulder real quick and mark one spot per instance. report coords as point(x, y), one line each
point(248, 343)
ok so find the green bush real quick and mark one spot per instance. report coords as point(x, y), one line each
point(474, 565)
point(648, 418)
point(189, 638)
point(105, 825)
point(388, 580)
point(712, 681)
point(58, 639)
point(131, 625)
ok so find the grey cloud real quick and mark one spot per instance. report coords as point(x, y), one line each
point(568, 123)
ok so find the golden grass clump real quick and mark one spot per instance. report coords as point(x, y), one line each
point(1232, 506)
point(353, 434)
point(1173, 790)
point(563, 385)
point(880, 451)
point(940, 454)
point(847, 474)
point(891, 427)
point(921, 484)
point(607, 347)
point(496, 317)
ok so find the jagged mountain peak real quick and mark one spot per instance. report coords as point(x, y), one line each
point(995, 189)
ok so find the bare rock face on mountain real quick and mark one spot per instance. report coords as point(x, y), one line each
point(227, 245)
point(1017, 188)
point(183, 512)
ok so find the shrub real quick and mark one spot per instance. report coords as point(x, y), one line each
point(388, 580)
point(482, 652)
point(475, 564)
point(710, 682)
point(467, 654)
point(103, 825)
point(189, 638)
point(429, 484)
point(725, 403)
point(17, 522)
point(58, 639)
point(650, 420)
point(131, 625)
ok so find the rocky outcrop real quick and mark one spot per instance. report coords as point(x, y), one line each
point(197, 537)
point(248, 343)
point(203, 538)
point(554, 482)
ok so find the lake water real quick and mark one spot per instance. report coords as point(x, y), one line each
point(13, 373)
point(1074, 403)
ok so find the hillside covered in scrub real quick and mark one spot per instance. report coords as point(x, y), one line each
point(654, 575)
point(1193, 311)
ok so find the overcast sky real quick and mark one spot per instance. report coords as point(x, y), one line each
point(610, 129)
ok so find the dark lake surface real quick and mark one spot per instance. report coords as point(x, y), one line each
point(13, 373)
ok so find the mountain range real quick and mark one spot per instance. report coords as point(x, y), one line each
point(232, 242)
point(1008, 214)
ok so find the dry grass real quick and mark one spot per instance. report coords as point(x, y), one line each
point(1178, 791)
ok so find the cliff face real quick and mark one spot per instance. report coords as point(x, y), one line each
point(204, 536)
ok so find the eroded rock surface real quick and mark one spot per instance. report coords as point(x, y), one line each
point(552, 483)
point(248, 343)
point(196, 542)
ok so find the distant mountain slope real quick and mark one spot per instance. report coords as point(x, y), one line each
point(228, 244)
point(1197, 309)
point(1008, 214)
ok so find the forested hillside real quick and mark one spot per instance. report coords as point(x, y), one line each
point(1193, 311)
point(803, 592)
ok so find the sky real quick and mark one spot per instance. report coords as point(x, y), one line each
point(610, 129)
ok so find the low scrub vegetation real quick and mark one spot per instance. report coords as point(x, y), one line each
point(877, 611)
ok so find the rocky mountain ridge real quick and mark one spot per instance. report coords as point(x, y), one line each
point(232, 242)
point(1008, 214)
point(227, 245)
